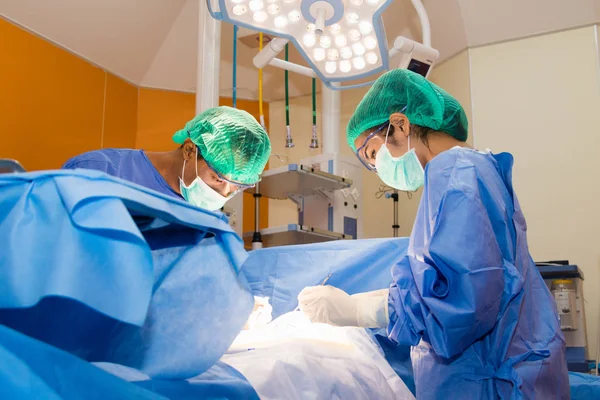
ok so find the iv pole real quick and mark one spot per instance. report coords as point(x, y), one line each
point(394, 196)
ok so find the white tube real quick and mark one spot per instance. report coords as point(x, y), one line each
point(320, 21)
point(278, 44)
point(401, 45)
point(264, 57)
point(209, 58)
point(299, 69)
point(404, 45)
point(331, 119)
point(425, 26)
point(393, 53)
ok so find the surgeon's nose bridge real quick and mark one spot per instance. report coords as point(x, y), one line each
point(230, 188)
point(369, 153)
point(225, 188)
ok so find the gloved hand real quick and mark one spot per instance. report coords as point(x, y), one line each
point(333, 306)
point(261, 315)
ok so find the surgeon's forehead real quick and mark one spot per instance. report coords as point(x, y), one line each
point(362, 138)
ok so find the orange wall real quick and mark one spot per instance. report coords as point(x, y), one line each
point(120, 114)
point(52, 102)
point(161, 113)
point(55, 105)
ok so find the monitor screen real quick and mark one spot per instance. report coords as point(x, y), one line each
point(419, 67)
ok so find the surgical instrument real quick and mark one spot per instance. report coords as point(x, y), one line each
point(321, 284)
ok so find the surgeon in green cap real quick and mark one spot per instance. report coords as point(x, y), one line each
point(467, 296)
point(222, 150)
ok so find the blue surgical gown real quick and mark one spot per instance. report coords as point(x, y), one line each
point(130, 165)
point(468, 295)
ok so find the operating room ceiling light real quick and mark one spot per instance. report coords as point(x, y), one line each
point(370, 42)
point(340, 39)
point(346, 53)
point(372, 58)
point(335, 29)
point(260, 16)
point(256, 5)
point(294, 16)
point(354, 35)
point(240, 9)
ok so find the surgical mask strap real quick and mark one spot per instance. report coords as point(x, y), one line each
point(183, 168)
point(197, 161)
point(387, 133)
point(390, 125)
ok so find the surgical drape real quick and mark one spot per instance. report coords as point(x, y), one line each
point(111, 271)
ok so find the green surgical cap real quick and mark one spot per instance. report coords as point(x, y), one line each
point(426, 105)
point(231, 141)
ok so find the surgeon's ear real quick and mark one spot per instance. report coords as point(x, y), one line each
point(189, 150)
point(400, 123)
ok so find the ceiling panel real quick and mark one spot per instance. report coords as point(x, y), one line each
point(174, 64)
point(154, 42)
point(122, 36)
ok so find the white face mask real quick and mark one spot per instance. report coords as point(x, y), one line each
point(199, 193)
point(402, 173)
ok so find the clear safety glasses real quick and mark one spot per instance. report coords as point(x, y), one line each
point(239, 185)
point(360, 152)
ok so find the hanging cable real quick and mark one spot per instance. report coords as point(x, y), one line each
point(385, 190)
point(260, 84)
point(257, 242)
point(289, 142)
point(234, 78)
point(281, 157)
point(314, 142)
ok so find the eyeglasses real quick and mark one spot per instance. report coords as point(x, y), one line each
point(240, 185)
point(364, 162)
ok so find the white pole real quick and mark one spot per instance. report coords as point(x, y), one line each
point(299, 69)
point(424, 18)
point(207, 87)
point(209, 59)
point(331, 119)
point(269, 52)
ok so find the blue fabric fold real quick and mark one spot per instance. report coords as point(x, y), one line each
point(111, 271)
point(30, 369)
point(584, 386)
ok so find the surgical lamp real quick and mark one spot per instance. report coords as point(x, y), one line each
point(341, 40)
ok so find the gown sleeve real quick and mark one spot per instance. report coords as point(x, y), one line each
point(451, 294)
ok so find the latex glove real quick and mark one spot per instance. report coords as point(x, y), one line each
point(261, 315)
point(333, 306)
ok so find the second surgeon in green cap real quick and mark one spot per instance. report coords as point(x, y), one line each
point(467, 295)
point(222, 150)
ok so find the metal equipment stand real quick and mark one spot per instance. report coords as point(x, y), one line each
point(293, 182)
point(256, 236)
point(394, 196)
